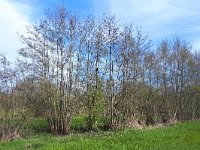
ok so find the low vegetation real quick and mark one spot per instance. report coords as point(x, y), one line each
point(180, 136)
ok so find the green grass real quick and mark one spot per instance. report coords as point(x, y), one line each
point(78, 124)
point(181, 136)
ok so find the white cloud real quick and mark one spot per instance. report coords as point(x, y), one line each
point(158, 18)
point(150, 13)
point(14, 17)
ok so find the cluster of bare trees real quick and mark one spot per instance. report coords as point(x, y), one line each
point(101, 69)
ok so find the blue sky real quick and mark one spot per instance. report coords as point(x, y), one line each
point(159, 19)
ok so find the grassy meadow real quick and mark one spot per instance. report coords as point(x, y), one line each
point(178, 136)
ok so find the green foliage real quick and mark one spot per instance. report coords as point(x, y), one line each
point(184, 136)
point(36, 126)
point(78, 124)
point(95, 106)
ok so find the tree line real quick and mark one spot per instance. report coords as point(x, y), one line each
point(100, 69)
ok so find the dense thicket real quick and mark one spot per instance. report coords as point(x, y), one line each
point(102, 70)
